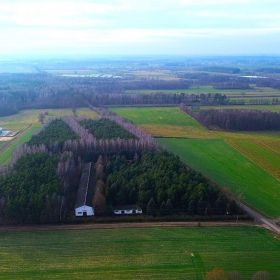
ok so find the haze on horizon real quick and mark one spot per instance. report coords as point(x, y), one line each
point(133, 27)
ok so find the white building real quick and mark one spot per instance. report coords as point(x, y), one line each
point(83, 206)
point(84, 211)
point(3, 132)
point(128, 210)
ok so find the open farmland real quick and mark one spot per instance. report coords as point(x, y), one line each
point(226, 166)
point(24, 124)
point(258, 92)
point(264, 152)
point(241, 161)
point(177, 253)
point(6, 154)
point(163, 121)
point(23, 119)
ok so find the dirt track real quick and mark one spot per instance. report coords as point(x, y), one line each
point(121, 225)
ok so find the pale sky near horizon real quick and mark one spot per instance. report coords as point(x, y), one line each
point(139, 27)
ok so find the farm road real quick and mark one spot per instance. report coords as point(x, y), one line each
point(122, 225)
point(268, 223)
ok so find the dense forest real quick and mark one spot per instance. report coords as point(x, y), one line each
point(41, 188)
point(106, 129)
point(22, 91)
point(242, 120)
point(162, 185)
point(57, 131)
point(32, 185)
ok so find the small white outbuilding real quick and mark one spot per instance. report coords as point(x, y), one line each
point(128, 210)
point(84, 211)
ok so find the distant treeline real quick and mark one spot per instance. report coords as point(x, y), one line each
point(240, 120)
point(157, 99)
point(23, 91)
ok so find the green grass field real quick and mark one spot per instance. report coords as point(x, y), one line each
point(266, 153)
point(226, 166)
point(156, 116)
point(166, 253)
point(6, 154)
point(162, 121)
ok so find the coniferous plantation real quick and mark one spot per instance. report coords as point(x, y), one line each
point(56, 131)
point(43, 183)
point(106, 129)
point(27, 191)
point(162, 185)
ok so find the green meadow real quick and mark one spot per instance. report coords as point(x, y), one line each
point(230, 169)
point(156, 116)
point(147, 253)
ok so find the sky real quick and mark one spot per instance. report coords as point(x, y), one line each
point(139, 27)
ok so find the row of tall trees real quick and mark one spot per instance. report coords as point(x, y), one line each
point(243, 120)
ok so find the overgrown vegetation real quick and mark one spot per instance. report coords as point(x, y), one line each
point(55, 132)
point(106, 129)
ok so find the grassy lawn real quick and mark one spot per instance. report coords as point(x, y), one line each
point(175, 253)
point(227, 167)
